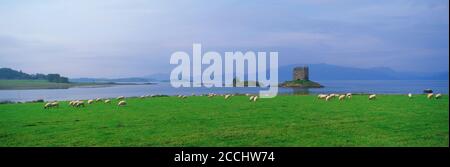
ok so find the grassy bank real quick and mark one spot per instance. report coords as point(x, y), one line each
point(43, 84)
point(391, 120)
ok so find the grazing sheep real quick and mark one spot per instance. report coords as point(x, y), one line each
point(348, 95)
point(227, 96)
point(410, 95)
point(321, 96)
point(122, 103)
point(328, 98)
point(438, 96)
point(341, 97)
point(55, 104)
point(48, 105)
point(372, 97)
point(255, 98)
point(98, 99)
point(90, 101)
point(80, 103)
point(120, 98)
point(71, 103)
point(430, 95)
point(251, 98)
point(107, 101)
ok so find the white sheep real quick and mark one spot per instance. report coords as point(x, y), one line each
point(107, 101)
point(227, 96)
point(79, 103)
point(120, 98)
point(49, 105)
point(90, 101)
point(122, 103)
point(251, 98)
point(410, 95)
point(438, 96)
point(430, 95)
point(341, 97)
point(372, 97)
point(255, 98)
point(328, 98)
point(321, 96)
point(348, 95)
point(98, 99)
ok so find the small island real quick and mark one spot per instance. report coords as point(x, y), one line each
point(301, 79)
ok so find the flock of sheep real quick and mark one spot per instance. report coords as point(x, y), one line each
point(252, 98)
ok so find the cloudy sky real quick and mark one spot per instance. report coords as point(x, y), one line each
point(122, 38)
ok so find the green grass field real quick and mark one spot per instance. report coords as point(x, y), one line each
point(391, 120)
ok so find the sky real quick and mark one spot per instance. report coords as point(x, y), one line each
point(129, 38)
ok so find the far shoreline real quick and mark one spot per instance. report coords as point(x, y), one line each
point(41, 84)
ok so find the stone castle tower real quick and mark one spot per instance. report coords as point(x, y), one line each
point(301, 73)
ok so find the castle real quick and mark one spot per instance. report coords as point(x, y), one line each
point(301, 73)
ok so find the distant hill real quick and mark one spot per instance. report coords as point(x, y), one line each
point(10, 74)
point(335, 72)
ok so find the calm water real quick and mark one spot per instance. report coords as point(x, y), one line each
point(379, 87)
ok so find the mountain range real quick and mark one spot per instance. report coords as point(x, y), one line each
point(317, 72)
point(334, 72)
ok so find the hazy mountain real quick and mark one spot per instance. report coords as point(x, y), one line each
point(334, 72)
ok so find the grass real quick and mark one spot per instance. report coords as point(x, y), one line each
point(391, 120)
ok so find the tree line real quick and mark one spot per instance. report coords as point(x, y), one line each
point(7, 73)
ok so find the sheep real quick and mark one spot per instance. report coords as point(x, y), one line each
point(328, 98)
point(79, 103)
point(430, 95)
point(348, 95)
point(438, 96)
point(55, 104)
point(410, 95)
point(107, 101)
point(90, 101)
point(321, 96)
point(122, 103)
point(71, 103)
point(251, 98)
point(255, 98)
point(210, 95)
point(48, 105)
point(341, 97)
point(120, 98)
point(372, 97)
point(227, 96)
point(98, 99)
